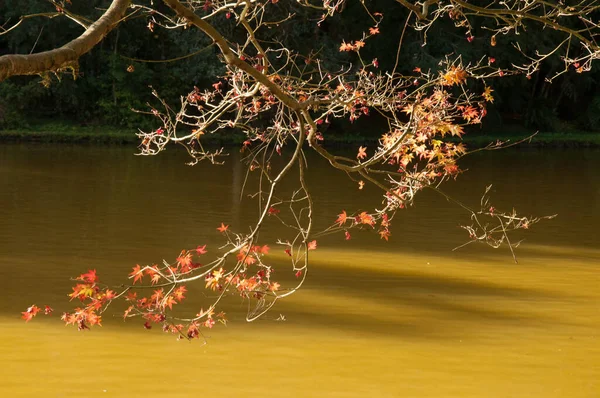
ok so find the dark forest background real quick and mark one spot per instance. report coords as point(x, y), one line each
point(104, 92)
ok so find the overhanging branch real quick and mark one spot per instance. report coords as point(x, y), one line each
point(67, 55)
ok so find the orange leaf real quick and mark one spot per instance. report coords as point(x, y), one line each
point(365, 218)
point(223, 228)
point(342, 217)
point(312, 245)
point(136, 274)
point(374, 30)
point(362, 152)
point(179, 293)
point(30, 313)
point(346, 47)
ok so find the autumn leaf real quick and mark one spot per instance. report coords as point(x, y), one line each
point(384, 234)
point(168, 302)
point(223, 228)
point(178, 293)
point(365, 218)
point(89, 277)
point(273, 211)
point(362, 152)
point(470, 113)
point(347, 234)
point(312, 245)
point(346, 46)
point(454, 76)
point(359, 44)
point(361, 184)
point(184, 261)
point(274, 286)
point(201, 250)
point(374, 30)
point(30, 313)
point(81, 291)
point(342, 218)
point(487, 94)
point(136, 274)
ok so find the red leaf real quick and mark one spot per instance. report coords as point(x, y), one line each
point(201, 250)
point(272, 211)
point(89, 277)
point(30, 313)
point(312, 245)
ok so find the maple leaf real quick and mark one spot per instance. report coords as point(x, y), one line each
point(273, 211)
point(470, 113)
point(264, 249)
point(168, 302)
point(362, 152)
point(93, 319)
point(136, 274)
point(348, 237)
point(89, 277)
point(361, 184)
point(374, 30)
point(487, 94)
point(359, 44)
point(178, 293)
point(365, 218)
point(223, 228)
point(201, 250)
point(454, 76)
point(48, 310)
point(184, 261)
point(346, 46)
point(30, 313)
point(274, 286)
point(81, 291)
point(156, 296)
point(384, 234)
point(342, 218)
point(312, 245)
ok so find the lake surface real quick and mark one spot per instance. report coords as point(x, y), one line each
point(407, 318)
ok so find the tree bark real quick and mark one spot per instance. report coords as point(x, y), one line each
point(67, 55)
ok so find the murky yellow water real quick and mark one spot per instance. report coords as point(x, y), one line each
point(406, 319)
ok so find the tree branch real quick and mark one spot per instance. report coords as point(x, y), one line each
point(67, 55)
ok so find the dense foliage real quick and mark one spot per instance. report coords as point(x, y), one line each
point(115, 76)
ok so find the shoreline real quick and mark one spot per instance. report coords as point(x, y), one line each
point(113, 136)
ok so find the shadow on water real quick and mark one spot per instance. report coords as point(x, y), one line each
point(98, 204)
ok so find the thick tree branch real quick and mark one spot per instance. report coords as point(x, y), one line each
point(67, 55)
